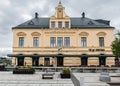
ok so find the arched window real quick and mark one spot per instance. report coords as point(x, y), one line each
point(35, 39)
point(83, 38)
point(101, 38)
point(21, 36)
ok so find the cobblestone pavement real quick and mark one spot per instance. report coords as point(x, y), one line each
point(92, 79)
point(9, 79)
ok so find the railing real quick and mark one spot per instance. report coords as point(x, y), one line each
point(76, 69)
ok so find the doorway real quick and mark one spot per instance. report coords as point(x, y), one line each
point(59, 61)
point(35, 61)
point(21, 61)
point(46, 61)
point(84, 61)
point(102, 61)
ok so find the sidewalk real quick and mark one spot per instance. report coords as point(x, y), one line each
point(9, 79)
point(92, 79)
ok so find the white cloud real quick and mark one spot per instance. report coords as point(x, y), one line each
point(14, 12)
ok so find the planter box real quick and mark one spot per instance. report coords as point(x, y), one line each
point(23, 71)
point(2, 68)
point(64, 76)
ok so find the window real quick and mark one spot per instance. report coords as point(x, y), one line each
point(36, 41)
point(66, 24)
point(53, 41)
point(83, 42)
point(60, 41)
point(67, 41)
point(52, 24)
point(21, 41)
point(101, 41)
point(59, 24)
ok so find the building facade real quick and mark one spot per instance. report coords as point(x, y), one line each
point(61, 40)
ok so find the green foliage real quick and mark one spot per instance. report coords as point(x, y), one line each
point(116, 45)
point(24, 67)
point(65, 70)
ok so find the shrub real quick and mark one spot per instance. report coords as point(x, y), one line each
point(65, 70)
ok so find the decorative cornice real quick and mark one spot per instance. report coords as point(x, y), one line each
point(21, 34)
point(35, 34)
point(101, 34)
point(84, 34)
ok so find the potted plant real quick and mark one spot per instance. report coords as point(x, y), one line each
point(65, 73)
point(24, 70)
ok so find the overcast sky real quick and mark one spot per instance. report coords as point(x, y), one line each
point(15, 12)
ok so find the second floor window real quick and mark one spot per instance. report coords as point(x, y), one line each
point(66, 24)
point(53, 41)
point(52, 24)
point(67, 41)
point(59, 24)
point(83, 42)
point(21, 41)
point(101, 41)
point(60, 41)
point(36, 41)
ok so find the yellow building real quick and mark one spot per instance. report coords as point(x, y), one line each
point(61, 40)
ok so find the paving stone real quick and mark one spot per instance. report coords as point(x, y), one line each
point(9, 79)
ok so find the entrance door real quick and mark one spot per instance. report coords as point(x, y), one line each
point(35, 61)
point(102, 61)
point(59, 61)
point(46, 61)
point(21, 61)
point(84, 61)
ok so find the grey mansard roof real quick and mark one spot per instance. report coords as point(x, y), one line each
point(78, 22)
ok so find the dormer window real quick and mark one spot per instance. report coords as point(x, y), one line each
point(59, 24)
point(66, 24)
point(52, 24)
point(59, 10)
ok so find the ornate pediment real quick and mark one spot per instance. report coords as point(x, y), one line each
point(83, 34)
point(35, 34)
point(101, 34)
point(21, 34)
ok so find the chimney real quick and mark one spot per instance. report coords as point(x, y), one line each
point(83, 15)
point(36, 15)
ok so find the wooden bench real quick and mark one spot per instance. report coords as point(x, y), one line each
point(47, 76)
point(114, 83)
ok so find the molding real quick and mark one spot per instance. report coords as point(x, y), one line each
point(83, 34)
point(101, 34)
point(21, 34)
point(35, 34)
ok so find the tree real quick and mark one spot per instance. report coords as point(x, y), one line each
point(116, 47)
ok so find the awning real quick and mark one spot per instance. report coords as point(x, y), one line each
point(60, 55)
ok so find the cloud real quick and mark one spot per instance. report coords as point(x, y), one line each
point(15, 12)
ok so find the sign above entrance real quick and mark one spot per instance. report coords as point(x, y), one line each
point(93, 50)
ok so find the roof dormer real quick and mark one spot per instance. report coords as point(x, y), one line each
point(60, 12)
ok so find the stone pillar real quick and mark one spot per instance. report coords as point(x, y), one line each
point(14, 61)
point(41, 61)
point(93, 61)
point(55, 62)
point(51, 61)
point(27, 61)
point(110, 61)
